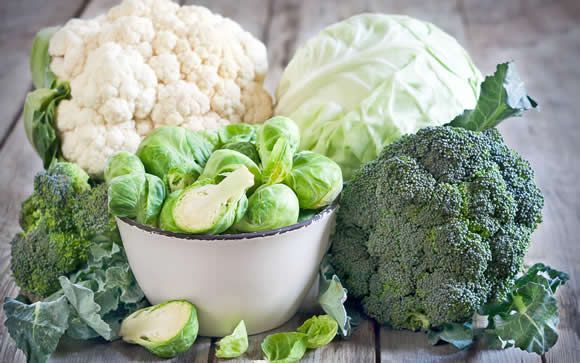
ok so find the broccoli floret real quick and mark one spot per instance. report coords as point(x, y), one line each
point(40, 256)
point(58, 220)
point(435, 227)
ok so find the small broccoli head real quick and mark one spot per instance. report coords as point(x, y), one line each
point(59, 220)
point(40, 256)
point(435, 227)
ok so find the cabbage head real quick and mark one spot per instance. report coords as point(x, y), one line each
point(363, 82)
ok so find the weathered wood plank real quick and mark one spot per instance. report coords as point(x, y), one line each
point(358, 348)
point(544, 40)
point(19, 21)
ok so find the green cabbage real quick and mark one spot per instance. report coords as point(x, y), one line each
point(363, 82)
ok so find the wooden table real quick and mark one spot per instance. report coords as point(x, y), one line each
point(543, 37)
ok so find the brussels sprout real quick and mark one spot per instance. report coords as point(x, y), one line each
point(316, 180)
point(270, 207)
point(279, 164)
point(165, 330)
point(246, 148)
point(275, 153)
point(235, 344)
point(272, 130)
point(139, 196)
point(237, 133)
point(123, 163)
point(166, 221)
point(306, 214)
point(175, 154)
point(209, 208)
point(222, 162)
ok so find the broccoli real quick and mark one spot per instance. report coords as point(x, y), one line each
point(436, 227)
point(58, 222)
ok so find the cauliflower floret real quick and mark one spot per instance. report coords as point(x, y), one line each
point(91, 145)
point(149, 63)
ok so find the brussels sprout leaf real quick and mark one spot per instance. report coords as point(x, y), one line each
point(503, 95)
point(332, 297)
point(284, 347)
point(37, 328)
point(233, 345)
point(320, 330)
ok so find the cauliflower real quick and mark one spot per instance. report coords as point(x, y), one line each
point(150, 63)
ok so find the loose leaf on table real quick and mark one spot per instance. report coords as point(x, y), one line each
point(320, 330)
point(37, 328)
point(332, 297)
point(503, 95)
point(235, 344)
point(528, 317)
point(530, 320)
point(544, 275)
point(284, 347)
point(82, 299)
point(458, 335)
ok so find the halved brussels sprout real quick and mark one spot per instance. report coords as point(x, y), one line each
point(175, 154)
point(209, 208)
point(165, 330)
point(123, 163)
point(139, 196)
point(223, 162)
point(245, 147)
point(270, 207)
point(316, 180)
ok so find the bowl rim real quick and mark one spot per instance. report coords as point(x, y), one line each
point(233, 236)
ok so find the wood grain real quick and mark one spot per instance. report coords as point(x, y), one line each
point(542, 37)
point(544, 40)
point(19, 22)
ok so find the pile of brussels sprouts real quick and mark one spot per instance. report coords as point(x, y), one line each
point(241, 178)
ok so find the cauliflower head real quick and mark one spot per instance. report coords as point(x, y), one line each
point(152, 63)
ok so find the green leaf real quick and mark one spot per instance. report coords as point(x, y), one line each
point(122, 277)
point(320, 330)
point(42, 76)
point(458, 335)
point(39, 120)
point(36, 328)
point(545, 275)
point(279, 163)
point(503, 95)
point(82, 300)
point(235, 344)
point(284, 347)
point(529, 321)
point(332, 297)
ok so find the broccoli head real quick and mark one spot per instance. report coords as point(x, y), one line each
point(436, 226)
point(59, 221)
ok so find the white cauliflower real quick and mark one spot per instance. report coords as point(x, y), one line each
point(149, 63)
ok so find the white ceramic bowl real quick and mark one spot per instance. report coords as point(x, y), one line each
point(260, 277)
